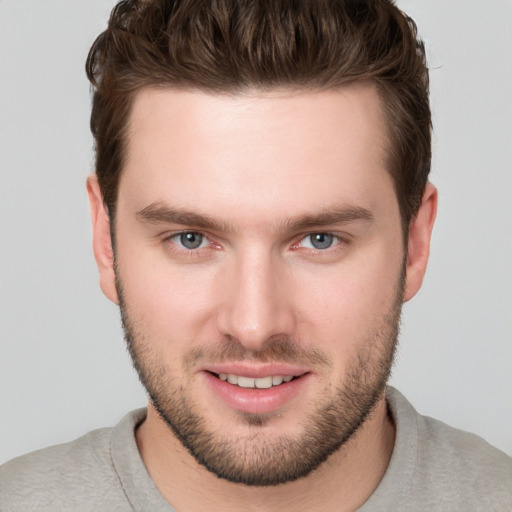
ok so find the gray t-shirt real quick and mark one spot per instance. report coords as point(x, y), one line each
point(433, 468)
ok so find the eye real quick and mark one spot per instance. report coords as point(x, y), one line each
point(190, 240)
point(319, 241)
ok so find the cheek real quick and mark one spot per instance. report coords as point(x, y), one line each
point(168, 303)
point(342, 308)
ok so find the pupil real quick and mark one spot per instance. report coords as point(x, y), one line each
point(321, 240)
point(191, 240)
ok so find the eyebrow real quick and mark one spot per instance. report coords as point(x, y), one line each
point(329, 217)
point(159, 213)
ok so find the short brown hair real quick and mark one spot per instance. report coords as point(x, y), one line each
point(236, 45)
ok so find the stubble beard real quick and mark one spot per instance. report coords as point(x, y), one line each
point(255, 459)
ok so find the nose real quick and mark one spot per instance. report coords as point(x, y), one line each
point(257, 302)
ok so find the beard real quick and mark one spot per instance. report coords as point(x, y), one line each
point(255, 458)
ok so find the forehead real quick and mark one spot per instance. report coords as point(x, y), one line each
point(279, 151)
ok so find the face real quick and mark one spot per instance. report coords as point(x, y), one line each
point(260, 272)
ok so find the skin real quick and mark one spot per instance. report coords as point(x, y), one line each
point(257, 164)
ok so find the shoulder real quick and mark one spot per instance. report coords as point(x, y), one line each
point(462, 447)
point(465, 461)
point(40, 480)
point(448, 468)
point(72, 476)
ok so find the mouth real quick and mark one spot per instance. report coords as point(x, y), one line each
point(255, 382)
point(257, 390)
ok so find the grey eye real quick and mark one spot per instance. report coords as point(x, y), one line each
point(191, 240)
point(321, 240)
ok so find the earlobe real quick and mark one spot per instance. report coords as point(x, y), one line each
point(102, 242)
point(420, 232)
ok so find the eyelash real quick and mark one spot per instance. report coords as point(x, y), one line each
point(337, 242)
point(173, 241)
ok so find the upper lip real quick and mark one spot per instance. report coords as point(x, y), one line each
point(255, 371)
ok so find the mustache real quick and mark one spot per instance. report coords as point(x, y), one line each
point(278, 349)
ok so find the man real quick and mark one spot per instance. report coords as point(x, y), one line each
point(261, 210)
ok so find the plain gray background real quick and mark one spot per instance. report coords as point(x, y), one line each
point(63, 366)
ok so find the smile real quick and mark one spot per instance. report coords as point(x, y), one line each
point(257, 389)
point(259, 383)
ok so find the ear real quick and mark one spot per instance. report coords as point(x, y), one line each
point(101, 239)
point(420, 232)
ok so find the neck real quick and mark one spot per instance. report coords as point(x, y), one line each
point(344, 482)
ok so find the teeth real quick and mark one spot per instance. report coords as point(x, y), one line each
point(246, 382)
point(263, 382)
point(260, 383)
point(276, 380)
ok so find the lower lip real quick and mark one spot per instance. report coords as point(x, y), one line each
point(256, 401)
